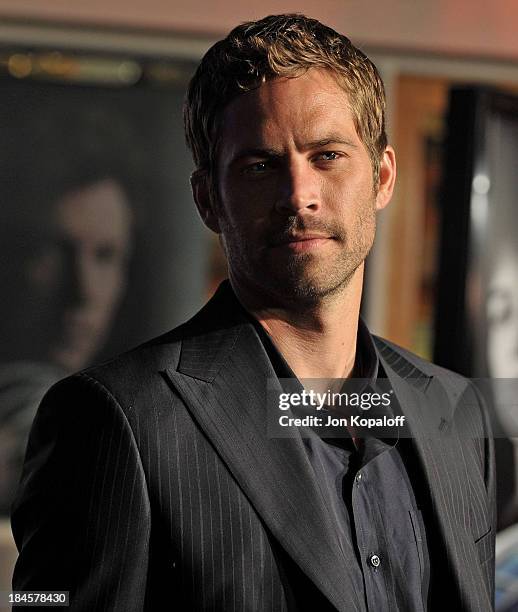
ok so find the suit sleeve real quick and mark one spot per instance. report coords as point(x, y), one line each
point(487, 452)
point(81, 519)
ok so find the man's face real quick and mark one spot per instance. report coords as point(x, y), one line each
point(297, 202)
point(502, 317)
point(77, 275)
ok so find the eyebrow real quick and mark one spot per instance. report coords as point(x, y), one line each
point(312, 144)
point(256, 152)
point(329, 139)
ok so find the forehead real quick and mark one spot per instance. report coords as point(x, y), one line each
point(288, 109)
point(97, 211)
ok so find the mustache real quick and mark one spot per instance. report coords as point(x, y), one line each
point(295, 227)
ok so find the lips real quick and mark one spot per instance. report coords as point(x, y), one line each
point(296, 238)
point(302, 243)
point(79, 328)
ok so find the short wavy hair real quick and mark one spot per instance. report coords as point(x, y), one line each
point(280, 46)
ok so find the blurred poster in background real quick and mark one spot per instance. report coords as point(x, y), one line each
point(100, 243)
point(477, 309)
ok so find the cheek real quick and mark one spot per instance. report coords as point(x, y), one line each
point(110, 280)
point(44, 274)
point(496, 340)
point(348, 191)
point(503, 341)
point(246, 216)
point(352, 206)
point(242, 201)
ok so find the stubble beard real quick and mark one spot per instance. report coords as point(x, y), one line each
point(311, 279)
point(306, 279)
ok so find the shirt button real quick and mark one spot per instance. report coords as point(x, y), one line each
point(374, 560)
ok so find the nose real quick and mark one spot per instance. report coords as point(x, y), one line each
point(81, 285)
point(300, 189)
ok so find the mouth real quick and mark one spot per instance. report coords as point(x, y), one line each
point(78, 329)
point(299, 243)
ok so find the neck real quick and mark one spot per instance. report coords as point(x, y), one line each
point(317, 341)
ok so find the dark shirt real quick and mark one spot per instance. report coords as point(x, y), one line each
point(370, 499)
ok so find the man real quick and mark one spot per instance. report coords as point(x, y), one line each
point(151, 482)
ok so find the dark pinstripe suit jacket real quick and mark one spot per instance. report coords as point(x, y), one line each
point(150, 483)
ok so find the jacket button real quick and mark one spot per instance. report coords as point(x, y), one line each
point(374, 560)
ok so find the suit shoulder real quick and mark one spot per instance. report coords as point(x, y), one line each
point(135, 380)
point(158, 353)
point(141, 365)
point(141, 369)
point(466, 400)
point(392, 352)
point(126, 379)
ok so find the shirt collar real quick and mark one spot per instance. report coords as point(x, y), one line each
point(366, 364)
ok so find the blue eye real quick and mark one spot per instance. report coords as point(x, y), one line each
point(329, 155)
point(257, 168)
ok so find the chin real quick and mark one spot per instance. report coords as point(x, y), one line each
point(307, 290)
point(70, 358)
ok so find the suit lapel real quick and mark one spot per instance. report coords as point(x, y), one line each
point(222, 376)
point(429, 408)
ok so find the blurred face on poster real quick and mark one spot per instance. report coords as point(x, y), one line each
point(502, 316)
point(502, 338)
point(76, 273)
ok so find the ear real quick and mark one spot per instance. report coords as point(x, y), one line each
point(387, 178)
point(201, 192)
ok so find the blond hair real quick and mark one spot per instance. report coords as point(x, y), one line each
point(280, 46)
